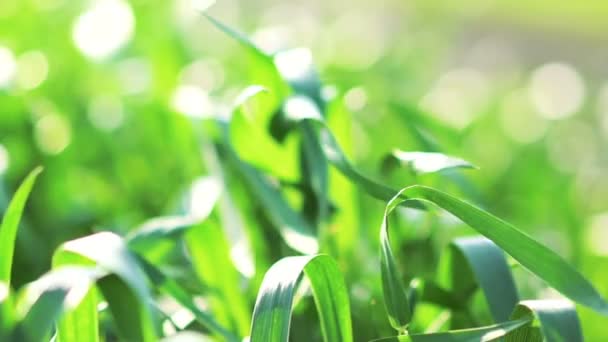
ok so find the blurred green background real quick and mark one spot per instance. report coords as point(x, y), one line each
point(103, 94)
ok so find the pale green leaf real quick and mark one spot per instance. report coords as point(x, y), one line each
point(273, 309)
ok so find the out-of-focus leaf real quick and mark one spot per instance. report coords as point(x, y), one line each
point(425, 162)
point(173, 289)
point(297, 68)
point(555, 321)
point(296, 232)
point(477, 261)
point(125, 287)
point(210, 256)
point(61, 291)
point(336, 157)
point(10, 224)
point(273, 309)
point(249, 133)
point(483, 334)
point(344, 224)
point(531, 254)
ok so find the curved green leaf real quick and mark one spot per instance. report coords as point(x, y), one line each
point(10, 224)
point(537, 258)
point(396, 301)
point(477, 261)
point(273, 309)
point(210, 256)
point(483, 334)
point(555, 321)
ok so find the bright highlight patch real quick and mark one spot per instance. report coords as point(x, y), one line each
point(556, 90)
point(104, 28)
point(8, 66)
point(33, 69)
point(192, 101)
point(4, 159)
point(53, 134)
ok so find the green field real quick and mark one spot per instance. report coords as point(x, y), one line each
point(303, 171)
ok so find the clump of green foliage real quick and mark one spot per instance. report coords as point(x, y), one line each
point(280, 181)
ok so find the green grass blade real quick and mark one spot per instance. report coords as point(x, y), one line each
point(555, 321)
point(273, 309)
point(124, 289)
point(396, 301)
point(81, 323)
point(7, 314)
point(531, 254)
point(173, 289)
point(296, 232)
point(425, 162)
point(58, 293)
point(486, 267)
point(10, 224)
point(210, 256)
point(482, 334)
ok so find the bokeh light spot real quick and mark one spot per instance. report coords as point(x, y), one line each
point(597, 234)
point(4, 159)
point(457, 96)
point(192, 101)
point(134, 75)
point(104, 28)
point(556, 90)
point(33, 69)
point(8, 66)
point(519, 118)
point(53, 134)
point(355, 99)
point(106, 113)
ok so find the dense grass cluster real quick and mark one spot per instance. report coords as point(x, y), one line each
point(274, 220)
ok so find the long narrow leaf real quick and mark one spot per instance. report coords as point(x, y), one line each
point(531, 254)
point(483, 334)
point(210, 257)
point(273, 309)
point(10, 224)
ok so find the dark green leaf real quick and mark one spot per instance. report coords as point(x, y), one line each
point(10, 224)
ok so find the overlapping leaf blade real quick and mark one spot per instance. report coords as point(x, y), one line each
point(173, 289)
point(273, 309)
point(61, 292)
point(125, 287)
point(536, 257)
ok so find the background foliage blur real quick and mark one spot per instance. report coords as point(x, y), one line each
point(103, 93)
